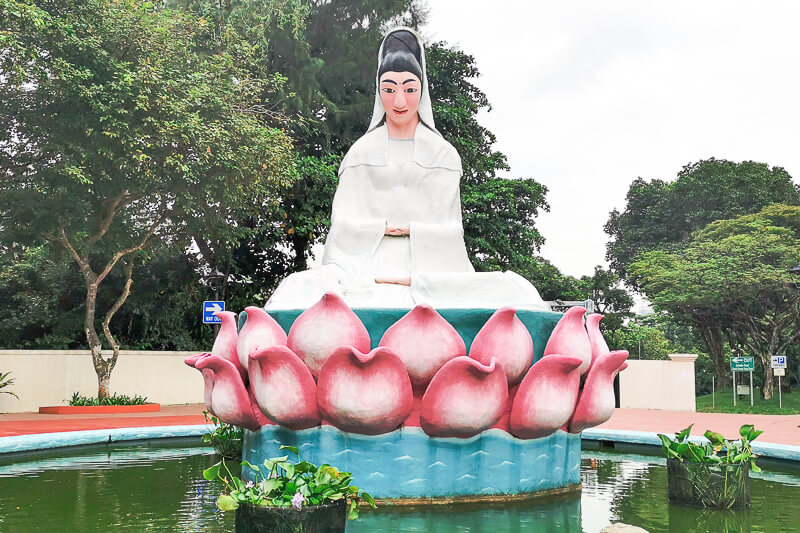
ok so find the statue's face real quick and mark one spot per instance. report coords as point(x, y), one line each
point(400, 94)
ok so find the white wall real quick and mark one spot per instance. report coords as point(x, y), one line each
point(49, 377)
point(667, 385)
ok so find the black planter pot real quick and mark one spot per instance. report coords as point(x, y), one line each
point(721, 486)
point(328, 518)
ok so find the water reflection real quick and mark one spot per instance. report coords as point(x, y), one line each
point(146, 488)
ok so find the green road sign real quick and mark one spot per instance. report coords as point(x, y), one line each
point(742, 364)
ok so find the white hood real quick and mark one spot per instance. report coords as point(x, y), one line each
point(425, 109)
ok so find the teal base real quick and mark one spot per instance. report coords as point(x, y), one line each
point(466, 321)
point(406, 463)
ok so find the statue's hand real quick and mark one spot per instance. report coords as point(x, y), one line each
point(394, 280)
point(397, 231)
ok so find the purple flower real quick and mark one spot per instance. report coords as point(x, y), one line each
point(298, 500)
point(249, 484)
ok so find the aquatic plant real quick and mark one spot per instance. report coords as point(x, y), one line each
point(225, 438)
point(279, 482)
point(710, 474)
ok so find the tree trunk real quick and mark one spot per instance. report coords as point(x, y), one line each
point(300, 245)
point(95, 346)
point(713, 339)
point(767, 391)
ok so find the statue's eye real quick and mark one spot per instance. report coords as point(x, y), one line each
point(411, 90)
point(387, 90)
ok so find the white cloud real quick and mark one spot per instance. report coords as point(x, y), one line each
point(589, 95)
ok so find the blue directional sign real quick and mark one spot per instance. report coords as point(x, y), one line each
point(209, 308)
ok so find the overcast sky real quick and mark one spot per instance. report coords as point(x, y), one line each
point(589, 95)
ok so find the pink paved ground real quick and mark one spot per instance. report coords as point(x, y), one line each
point(778, 429)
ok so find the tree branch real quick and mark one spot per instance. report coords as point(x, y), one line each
point(122, 253)
point(110, 314)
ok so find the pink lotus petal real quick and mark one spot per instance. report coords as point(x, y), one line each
point(464, 398)
point(208, 378)
point(324, 327)
point(283, 387)
point(229, 399)
point(546, 397)
point(225, 345)
point(596, 400)
point(569, 337)
point(364, 393)
point(505, 338)
point(424, 341)
point(259, 331)
point(596, 339)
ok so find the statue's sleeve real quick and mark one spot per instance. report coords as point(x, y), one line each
point(354, 233)
point(437, 244)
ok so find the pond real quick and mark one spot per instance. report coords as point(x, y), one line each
point(159, 487)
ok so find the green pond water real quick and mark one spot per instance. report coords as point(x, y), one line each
point(159, 487)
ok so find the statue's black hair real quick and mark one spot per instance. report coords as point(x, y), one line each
point(401, 53)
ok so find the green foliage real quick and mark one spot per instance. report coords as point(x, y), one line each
point(661, 215)
point(735, 272)
point(279, 481)
point(641, 341)
point(42, 291)
point(114, 399)
point(131, 126)
point(714, 473)
point(6, 381)
point(226, 439)
point(716, 450)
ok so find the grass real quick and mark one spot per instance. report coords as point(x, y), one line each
point(724, 403)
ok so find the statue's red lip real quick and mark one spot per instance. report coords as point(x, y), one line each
point(399, 112)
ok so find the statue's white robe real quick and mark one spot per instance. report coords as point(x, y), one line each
point(421, 192)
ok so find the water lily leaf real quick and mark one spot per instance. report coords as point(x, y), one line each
point(226, 502)
point(289, 470)
point(352, 513)
point(684, 434)
point(369, 499)
point(254, 467)
point(715, 438)
point(211, 473)
point(292, 449)
point(745, 430)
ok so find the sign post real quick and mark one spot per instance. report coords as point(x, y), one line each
point(742, 364)
point(778, 363)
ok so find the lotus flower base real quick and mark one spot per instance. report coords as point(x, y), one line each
point(438, 440)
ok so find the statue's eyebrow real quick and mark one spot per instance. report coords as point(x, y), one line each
point(390, 81)
point(408, 80)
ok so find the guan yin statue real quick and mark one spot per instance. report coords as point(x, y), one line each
point(394, 359)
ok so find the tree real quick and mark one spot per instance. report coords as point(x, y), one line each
point(609, 298)
point(641, 341)
point(662, 216)
point(735, 272)
point(125, 132)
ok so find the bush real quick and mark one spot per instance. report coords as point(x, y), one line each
point(114, 399)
